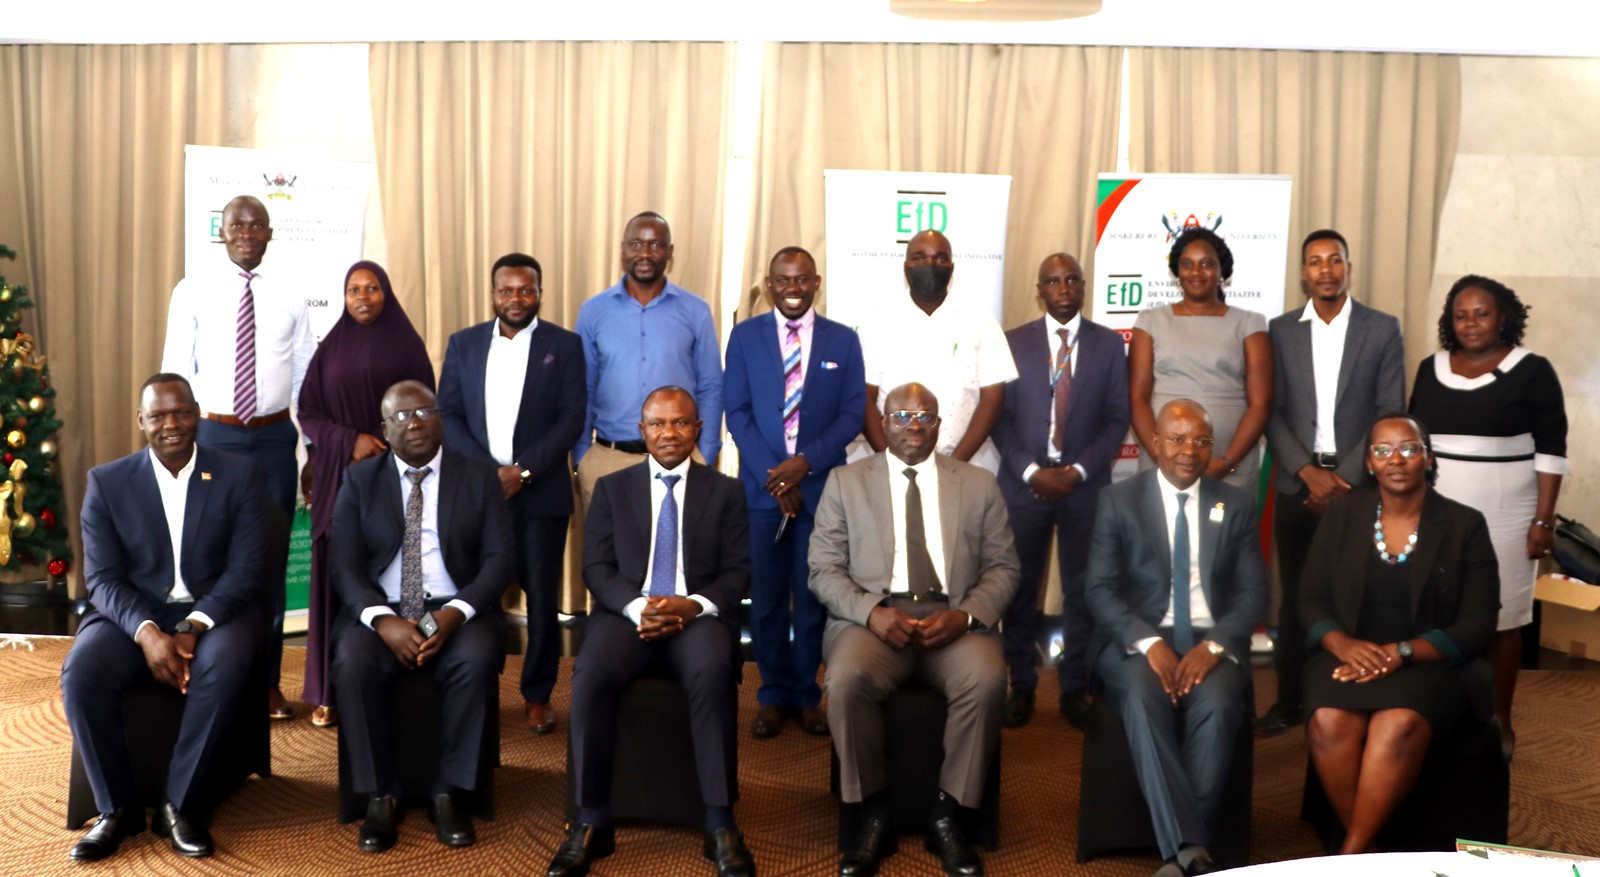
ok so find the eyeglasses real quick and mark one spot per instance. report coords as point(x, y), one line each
point(904, 418)
point(399, 418)
point(655, 246)
point(1203, 443)
point(1407, 450)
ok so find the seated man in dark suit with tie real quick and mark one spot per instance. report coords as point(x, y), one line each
point(913, 556)
point(666, 590)
point(174, 543)
point(1176, 584)
point(421, 554)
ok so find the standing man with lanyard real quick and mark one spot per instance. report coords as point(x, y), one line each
point(243, 341)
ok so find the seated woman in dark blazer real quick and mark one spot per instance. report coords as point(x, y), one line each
point(1399, 604)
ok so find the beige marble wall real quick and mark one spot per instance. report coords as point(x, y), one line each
point(1524, 208)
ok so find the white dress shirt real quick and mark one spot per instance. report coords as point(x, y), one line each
point(1327, 354)
point(504, 374)
point(1052, 336)
point(174, 491)
point(680, 585)
point(807, 321)
point(933, 531)
point(1199, 610)
point(202, 321)
point(436, 581)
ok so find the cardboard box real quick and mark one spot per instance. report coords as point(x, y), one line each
point(1570, 620)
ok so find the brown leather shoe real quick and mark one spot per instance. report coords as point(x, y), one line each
point(814, 721)
point(277, 705)
point(541, 718)
point(768, 722)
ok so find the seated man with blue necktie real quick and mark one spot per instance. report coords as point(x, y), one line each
point(421, 554)
point(666, 591)
point(174, 543)
point(1176, 588)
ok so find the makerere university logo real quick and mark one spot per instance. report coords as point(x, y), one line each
point(278, 186)
point(1175, 227)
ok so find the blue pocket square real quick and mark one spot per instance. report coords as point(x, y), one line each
point(829, 365)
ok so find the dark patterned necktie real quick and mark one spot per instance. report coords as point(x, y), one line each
point(664, 563)
point(921, 578)
point(1063, 389)
point(411, 594)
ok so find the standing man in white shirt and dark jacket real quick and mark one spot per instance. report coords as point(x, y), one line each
point(244, 341)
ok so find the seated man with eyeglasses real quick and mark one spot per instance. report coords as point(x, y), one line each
point(912, 555)
point(1176, 585)
point(421, 554)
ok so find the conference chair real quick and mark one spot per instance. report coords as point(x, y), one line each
point(653, 766)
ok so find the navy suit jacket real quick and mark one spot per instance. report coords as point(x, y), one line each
point(1130, 563)
point(474, 531)
point(127, 549)
point(549, 419)
point(716, 540)
point(832, 403)
point(1097, 410)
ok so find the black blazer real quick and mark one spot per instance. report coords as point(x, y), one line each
point(1453, 575)
point(549, 417)
point(127, 550)
point(716, 537)
point(369, 523)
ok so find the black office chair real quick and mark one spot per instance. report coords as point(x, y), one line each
point(653, 767)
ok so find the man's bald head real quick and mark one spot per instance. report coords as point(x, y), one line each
point(1183, 441)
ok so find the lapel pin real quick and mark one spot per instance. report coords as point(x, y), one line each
point(1216, 513)
point(205, 476)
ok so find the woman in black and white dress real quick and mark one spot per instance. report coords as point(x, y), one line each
point(1499, 429)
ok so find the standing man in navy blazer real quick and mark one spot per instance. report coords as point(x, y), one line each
point(421, 556)
point(512, 392)
point(1064, 420)
point(1338, 364)
point(1176, 584)
point(794, 388)
point(174, 543)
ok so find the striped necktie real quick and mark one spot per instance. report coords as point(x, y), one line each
point(791, 384)
point(244, 357)
point(1061, 387)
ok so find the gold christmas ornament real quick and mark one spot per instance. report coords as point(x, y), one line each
point(5, 293)
point(47, 448)
point(36, 404)
point(23, 525)
point(16, 438)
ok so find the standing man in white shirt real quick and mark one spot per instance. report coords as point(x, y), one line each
point(243, 341)
point(1338, 365)
point(956, 351)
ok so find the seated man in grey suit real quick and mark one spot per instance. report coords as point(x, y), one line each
point(913, 558)
point(1176, 588)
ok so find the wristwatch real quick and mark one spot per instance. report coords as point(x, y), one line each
point(187, 626)
point(1405, 651)
point(1216, 648)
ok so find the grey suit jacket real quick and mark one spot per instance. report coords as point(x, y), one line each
point(1372, 380)
point(852, 544)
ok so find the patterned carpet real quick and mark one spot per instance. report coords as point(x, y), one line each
point(285, 825)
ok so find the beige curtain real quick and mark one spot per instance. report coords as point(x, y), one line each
point(545, 148)
point(1369, 138)
point(91, 198)
point(1046, 115)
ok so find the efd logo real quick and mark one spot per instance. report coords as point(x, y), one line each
point(915, 212)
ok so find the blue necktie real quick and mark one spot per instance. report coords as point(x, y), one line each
point(664, 564)
point(1182, 630)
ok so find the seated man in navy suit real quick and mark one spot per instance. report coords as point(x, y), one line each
point(1176, 584)
point(421, 554)
point(174, 543)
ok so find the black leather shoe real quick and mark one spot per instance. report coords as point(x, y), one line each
point(725, 846)
point(956, 856)
point(1075, 707)
point(875, 843)
point(453, 827)
point(379, 830)
point(1280, 718)
point(105, 836)
point(1199, 862)
point(585, 844)
point(188, 839)
point(1018, 710)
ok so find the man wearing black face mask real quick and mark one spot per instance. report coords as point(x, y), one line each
point(958, 352)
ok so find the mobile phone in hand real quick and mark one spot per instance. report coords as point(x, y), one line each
point(428, 625)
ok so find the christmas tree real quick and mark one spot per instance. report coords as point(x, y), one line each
point(31, 529)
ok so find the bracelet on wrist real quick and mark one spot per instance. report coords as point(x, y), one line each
point(1545, 524)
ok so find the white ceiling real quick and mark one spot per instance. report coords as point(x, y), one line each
point(1486, 27)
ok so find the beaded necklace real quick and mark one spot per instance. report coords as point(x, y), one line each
point(1383, 548)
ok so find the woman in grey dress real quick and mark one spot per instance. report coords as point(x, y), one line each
point(1200, 348)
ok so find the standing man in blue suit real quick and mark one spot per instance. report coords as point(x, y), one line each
point(794, 387)
point(174, 542)
point(1064, 420)
point(512, 393)
point(1176, 583)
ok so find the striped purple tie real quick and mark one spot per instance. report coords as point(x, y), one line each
point(244, 357)
point(791, 384)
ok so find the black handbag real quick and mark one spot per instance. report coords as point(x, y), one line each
point(1577, 550)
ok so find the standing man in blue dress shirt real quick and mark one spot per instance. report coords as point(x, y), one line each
point(643, 333)
point(243, 340)
point(795, 389)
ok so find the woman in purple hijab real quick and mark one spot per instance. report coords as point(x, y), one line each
point(371, 348)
